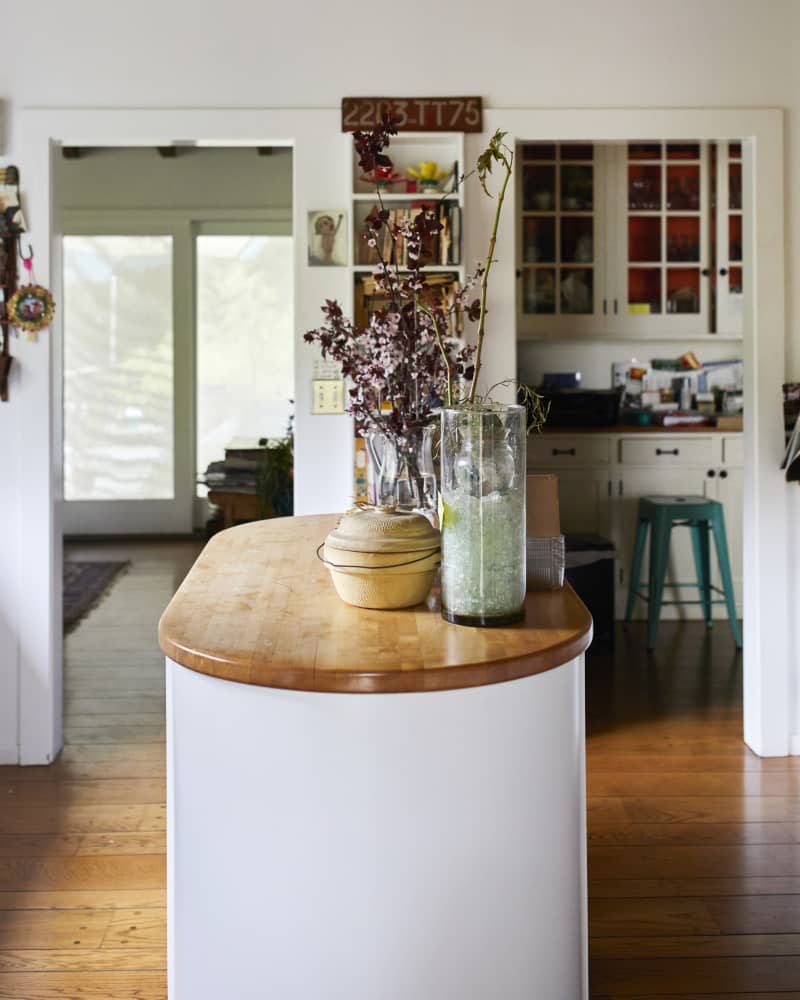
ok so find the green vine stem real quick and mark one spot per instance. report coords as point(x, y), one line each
point(495, 152)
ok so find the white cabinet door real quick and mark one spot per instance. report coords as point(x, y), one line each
point(729, 276)
point(583, 498)
point(636, 482)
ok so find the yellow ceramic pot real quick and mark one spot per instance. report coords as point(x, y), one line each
point(381, 558)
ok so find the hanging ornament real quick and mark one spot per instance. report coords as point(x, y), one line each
point(31, 307)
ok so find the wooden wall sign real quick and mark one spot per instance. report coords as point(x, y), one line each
point(414, 114)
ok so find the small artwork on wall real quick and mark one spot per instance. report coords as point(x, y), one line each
point(327, 238)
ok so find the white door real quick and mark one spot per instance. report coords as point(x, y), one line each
point(127, 429)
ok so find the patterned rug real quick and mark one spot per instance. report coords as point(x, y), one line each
point(84, 585)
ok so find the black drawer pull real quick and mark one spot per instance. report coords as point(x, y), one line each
point(563, 451)
point(723, 474)
point(667, 451)
point(711, 473)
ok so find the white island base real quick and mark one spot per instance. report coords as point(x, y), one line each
point(413, 846)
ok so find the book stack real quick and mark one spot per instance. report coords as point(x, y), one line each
point(443, 250)
point(238, 472)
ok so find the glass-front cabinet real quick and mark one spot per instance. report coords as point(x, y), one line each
point(561, 279)
point(663, 287)
point(727, 234)
point(636, 239)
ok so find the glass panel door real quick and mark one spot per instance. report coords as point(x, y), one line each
point(245, 345)
point(119, 396)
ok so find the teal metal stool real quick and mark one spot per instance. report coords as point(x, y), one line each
point(703, 517)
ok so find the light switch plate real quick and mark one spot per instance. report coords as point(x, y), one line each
point(327, 395)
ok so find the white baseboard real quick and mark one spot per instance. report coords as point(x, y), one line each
point(794, 745)
point(9, 755)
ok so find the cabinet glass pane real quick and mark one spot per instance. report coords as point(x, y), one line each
point(735, 150)
point(118, 368)
point(735, 281)
point(683, 290)
point(644, 290)
point(735, 186)
point(538, 188)
point(245, 341)
point(577, 291)
point(539, 151)
point(644, 238)
point(539, 290)
point(577, 240)
point(735, 237)
point(644, 150)
point(683, 187)
point(577, 151)
point(644, 187)
point(539, 239)
point(683, 151)
point(683, 238)
point(577, 188)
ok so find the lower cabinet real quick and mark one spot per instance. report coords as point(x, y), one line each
point(601, 479)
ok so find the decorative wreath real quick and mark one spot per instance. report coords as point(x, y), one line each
point(31, 308)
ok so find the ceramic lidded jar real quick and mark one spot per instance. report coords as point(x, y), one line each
point(382, 558)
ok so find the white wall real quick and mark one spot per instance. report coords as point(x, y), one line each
point(621, 53)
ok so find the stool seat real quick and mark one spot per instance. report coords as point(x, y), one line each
point(658, 514)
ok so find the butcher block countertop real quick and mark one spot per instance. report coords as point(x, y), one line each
point(259, 607)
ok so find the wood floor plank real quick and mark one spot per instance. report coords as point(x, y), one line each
point(69, 818)
point(75, 960)
point(696, 946)
point(114, 791)
point(735, 760)
point(642, 834)
point(114, 734)
point(136, 929)
point(630, 888)
point(666, 917)
point(21, 845)
point(710, 809)
point(141, 871)
point(82, 899)
point(123, 843)
point(101, 985)
point(701, 861)
point(680, 976)
point(698, 782)
point(756, 914)
point(44, 929)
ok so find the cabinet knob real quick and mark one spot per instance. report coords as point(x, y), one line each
point(706, 271)
point(711, 473)
point(723, 474)
point(723, 271)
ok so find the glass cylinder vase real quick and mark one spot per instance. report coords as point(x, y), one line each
point(401, 471)
point(483, 515)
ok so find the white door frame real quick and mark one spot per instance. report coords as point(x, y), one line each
point(322, 163)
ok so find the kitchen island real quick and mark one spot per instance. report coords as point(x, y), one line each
point(368, 804)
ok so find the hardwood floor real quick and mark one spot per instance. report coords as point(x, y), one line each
point(694, 843)
point(82, 843)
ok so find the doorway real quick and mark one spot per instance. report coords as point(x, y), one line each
point(178, 327)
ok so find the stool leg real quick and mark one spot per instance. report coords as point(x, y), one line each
point(702, 562)
point(660, 533)
point(721, 541)
point(636, 567)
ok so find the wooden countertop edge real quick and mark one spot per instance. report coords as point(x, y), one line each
point(343, 681)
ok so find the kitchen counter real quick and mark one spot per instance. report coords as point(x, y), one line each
point(368, 803)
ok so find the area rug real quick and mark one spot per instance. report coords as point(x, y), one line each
point(84, 585)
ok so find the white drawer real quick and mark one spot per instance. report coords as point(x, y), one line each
point(565, 451)
point(663, 451)
point(733, 450)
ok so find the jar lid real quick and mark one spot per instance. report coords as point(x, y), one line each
point(375, 529)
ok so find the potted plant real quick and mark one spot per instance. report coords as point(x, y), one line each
point(404, 369)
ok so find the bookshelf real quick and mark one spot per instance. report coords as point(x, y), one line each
point(444, 267)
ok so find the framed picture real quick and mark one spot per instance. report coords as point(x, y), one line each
point(327, 238)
